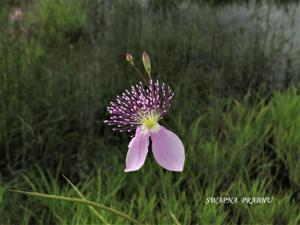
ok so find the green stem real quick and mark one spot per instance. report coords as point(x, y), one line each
point(141, 75)
point(164, 188)
point(165, 199)
point(80, 201)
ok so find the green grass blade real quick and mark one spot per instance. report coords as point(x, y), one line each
point(97, 214)
point(80, 201)
point(176, 221)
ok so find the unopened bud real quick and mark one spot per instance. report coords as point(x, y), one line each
point(129, 58)
point(146, 62)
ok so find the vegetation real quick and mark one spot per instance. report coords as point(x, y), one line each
point(64, 61)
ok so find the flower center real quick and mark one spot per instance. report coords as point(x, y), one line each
point(150, 122)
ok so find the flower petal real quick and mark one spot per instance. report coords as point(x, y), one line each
point(168, 149)
point(137, 152)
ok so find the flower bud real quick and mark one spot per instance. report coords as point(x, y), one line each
point(129, 58)
point(146, 62)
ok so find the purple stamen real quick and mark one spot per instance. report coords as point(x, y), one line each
point(127, 112)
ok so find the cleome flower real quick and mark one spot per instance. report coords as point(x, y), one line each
point(141, 109)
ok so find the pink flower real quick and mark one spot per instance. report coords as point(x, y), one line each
point(167, 149)
point(141, 109)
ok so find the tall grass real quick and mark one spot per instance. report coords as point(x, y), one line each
point(240, 161)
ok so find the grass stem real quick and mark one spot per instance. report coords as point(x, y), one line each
point(80, 201)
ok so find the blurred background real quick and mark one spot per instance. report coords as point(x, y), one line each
point(235, 70)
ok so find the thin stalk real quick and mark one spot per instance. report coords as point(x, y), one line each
point(140, 74)
point(166, 201)
point(165, 196)
point(80, 201)
point(163, 188)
